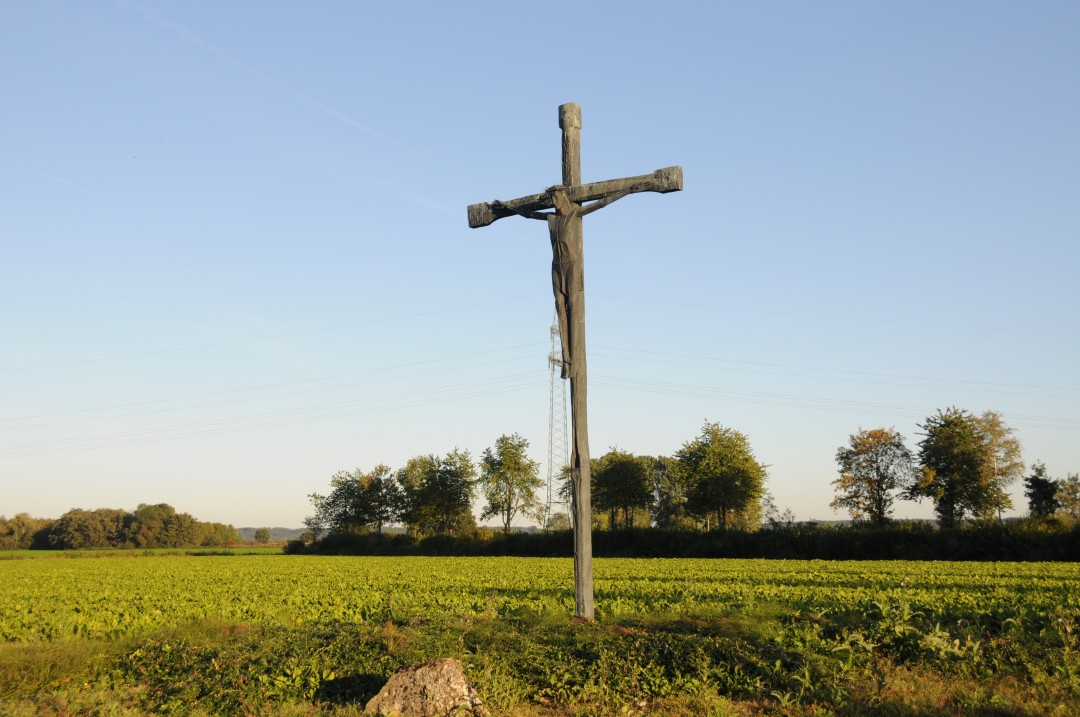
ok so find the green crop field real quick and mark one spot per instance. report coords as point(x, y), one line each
point(276, 634)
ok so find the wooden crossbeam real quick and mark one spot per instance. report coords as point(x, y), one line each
point(668, 179)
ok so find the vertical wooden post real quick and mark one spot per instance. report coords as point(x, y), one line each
point(570, 123)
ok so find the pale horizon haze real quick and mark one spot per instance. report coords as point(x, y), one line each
point(234, 256)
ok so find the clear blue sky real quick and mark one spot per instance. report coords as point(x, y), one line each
point(235, 256)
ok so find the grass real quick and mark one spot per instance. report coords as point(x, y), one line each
point(764, 660)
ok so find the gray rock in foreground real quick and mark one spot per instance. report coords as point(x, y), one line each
point(434, 689)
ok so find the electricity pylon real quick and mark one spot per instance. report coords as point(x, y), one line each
point(558, 444)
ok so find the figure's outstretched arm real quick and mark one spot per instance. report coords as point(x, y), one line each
point(601, 203)
point(542, 216)
point(563, 205)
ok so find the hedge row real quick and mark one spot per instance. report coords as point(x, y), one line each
point(1009, 541)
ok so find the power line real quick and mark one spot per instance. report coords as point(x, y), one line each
point(275, 419)
point(975, 385)
point(266, 337)
point(274, 385)
point(267, 396)
point(807, 402)
point(487, 386)
point(830, 317)
point(642, 356)
point(335, 405)
point(474, 389)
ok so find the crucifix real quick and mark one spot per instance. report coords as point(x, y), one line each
point(568, 203)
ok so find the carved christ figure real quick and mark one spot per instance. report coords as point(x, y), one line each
point(567, 260)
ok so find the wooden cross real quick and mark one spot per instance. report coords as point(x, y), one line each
point(570, 202)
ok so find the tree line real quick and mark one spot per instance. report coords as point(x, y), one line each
point(149, 526)
point(431, 494)
point(964, 464)
point(713, 481)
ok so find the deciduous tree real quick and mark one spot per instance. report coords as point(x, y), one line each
point(873, 466)
point(21, 531)
point(558, 521)
point(216, 534)
point(358, 502)
point(1041, 492)
point(510, 481)
point(1068, 496)
point(147, 523)
point(382, 498)
point(725, 476)
point(670, 490)
point(774, 517)
point(954, 455)
point(1004, 464)
point(181, 530)
point(439, 494)
point(78, 528)
point(316, 522)
point(620, 482)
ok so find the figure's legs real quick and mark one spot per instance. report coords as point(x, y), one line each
point(561, 269)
